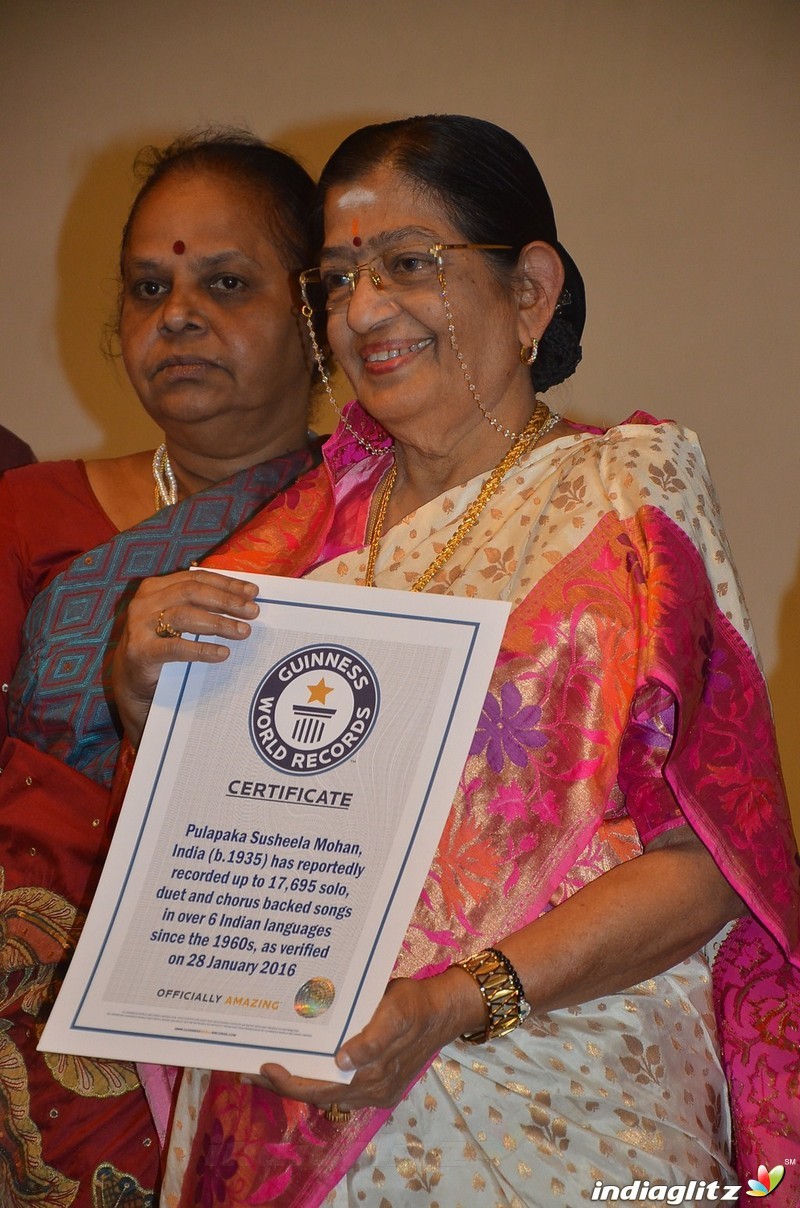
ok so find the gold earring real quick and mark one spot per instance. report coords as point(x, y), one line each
point(529, 353)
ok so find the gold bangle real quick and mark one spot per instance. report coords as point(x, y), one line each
point(503, 994)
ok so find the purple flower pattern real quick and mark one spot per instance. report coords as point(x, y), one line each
point(215, 1167)
point(506, 728)
point(714, 680)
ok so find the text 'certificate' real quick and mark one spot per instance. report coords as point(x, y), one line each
point(283, 812)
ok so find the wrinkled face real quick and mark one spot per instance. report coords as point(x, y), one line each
point(207, 323)
point(394, 344)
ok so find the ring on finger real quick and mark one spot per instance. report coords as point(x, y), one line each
point(336, 1114)
point(164, 629)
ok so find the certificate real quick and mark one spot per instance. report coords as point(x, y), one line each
point(282, 815)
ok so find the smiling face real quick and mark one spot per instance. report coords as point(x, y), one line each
point(209, 337)
point(394, 345)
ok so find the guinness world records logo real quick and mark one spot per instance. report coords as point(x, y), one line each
point(314, 709)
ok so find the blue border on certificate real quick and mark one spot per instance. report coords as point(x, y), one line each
point(284, 1045)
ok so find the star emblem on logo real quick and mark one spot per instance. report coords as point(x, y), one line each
point(318, 693)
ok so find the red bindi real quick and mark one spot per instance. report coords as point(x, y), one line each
point(179, 247)
point(356, 241)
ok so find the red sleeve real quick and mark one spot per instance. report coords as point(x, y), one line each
point(57, 824)
point(48, 516)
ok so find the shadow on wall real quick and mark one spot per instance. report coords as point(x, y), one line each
point(87, 278)
point(784, 686)
point(87, 298)
point(314, 144)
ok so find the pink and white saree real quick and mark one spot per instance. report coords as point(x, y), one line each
point(626, 699)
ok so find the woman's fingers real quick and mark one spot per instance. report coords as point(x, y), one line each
point(199, 603)
point(411, 1023)
point(379, 1084)
point(200, 600)
point(194, 603)
point(307, 1090)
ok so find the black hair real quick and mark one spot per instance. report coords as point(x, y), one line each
point(280, 184)
point(485, 180)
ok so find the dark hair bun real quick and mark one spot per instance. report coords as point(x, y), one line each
point(559, 353)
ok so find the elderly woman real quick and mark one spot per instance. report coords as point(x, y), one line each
point(549, 1027)
point(214, 345)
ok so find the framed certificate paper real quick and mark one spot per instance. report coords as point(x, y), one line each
point(283, 812)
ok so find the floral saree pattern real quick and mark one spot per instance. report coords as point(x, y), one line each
point(623, 703)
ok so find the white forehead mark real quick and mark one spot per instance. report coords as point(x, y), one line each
point(357, 196)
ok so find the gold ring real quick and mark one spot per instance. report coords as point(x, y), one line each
point(336, 1114)
point(164, 629)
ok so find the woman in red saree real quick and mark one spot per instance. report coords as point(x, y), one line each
point(621, 804)
point(210, 338)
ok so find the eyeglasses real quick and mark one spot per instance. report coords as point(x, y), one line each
point(397, 268)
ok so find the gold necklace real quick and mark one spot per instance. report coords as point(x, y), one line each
point(540, 423)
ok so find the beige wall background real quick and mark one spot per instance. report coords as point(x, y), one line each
point(666, 130)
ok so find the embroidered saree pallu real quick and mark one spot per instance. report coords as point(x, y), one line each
point(59, 697)
point(626, 700)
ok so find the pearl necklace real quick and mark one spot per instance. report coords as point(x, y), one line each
point(166, 492)
point(538, 426)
